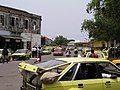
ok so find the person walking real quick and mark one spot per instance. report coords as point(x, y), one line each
point(75, 52)
point(5, 55)
point(68, 53)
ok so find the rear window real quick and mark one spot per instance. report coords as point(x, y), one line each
point(50, 63)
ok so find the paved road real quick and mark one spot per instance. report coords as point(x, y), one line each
point(10, 78)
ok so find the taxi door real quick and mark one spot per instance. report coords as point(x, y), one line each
point(111, 76)
point(95, 84)
point(65, 82)
point(62, 85)
point(111, 84)
point(87, 78)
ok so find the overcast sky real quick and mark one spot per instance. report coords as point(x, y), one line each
point(59, 17)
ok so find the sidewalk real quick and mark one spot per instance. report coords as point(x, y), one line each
point(33, 58)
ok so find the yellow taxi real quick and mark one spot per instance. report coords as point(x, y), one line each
point(70, 74)
point(9, 54)
point(46, 51)
point(21, 54)
point(117, 62)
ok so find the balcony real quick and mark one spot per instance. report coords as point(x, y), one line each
point(15, 29)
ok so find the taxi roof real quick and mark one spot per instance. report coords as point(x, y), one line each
point(78, 59)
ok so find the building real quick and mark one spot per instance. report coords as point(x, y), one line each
point(19, 29)
point(45, 41)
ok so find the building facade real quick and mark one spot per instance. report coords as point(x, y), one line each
point(19, 29)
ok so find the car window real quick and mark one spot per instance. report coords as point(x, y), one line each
point(57, 50)
point(108, 69)
point(50, 63)
point(69, 74)
point(0, 51)
point(87, 71)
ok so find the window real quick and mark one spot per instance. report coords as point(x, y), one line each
point(108, 69)
point(87, 71)
point(34, 25)
point(2, 19)
point(12, 21)
point(69, 74)
point(17, 22)
point(26, 24)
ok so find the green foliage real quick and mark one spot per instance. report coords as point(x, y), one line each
point(60, 40)
point(106, 22)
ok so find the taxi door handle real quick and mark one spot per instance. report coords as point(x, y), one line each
point(107, 83)
point(80, 85)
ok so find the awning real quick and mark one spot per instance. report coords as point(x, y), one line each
point(11, 37)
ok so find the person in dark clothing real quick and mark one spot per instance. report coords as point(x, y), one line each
point(75, 52)
point(93, 55)
point(5, 55)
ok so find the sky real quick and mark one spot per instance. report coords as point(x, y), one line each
point(59, 17)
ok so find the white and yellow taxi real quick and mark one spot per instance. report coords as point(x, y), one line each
point(73, 74)
point(21, 54)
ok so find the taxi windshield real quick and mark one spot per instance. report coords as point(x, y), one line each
point(20, 51)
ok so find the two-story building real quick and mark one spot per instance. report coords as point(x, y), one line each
point(19, 29)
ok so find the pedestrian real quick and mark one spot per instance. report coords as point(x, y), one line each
point(34, 52)
point(75, 52)
point(93, 55)
point(5, 55)
point(67, 53)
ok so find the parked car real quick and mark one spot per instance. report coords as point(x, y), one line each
point(117, 62)
point(58, 52)
point(21, 54)
point(71, 74)
point(9, 55)
point(45, 51)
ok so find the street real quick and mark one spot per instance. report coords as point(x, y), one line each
point(10, 77)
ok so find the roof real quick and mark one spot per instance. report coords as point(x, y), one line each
point(78, 59)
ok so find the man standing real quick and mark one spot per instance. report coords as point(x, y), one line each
point(5, 55)
point(93, 55)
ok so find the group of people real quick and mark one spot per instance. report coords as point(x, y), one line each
point(76, 53)
point(79, 53)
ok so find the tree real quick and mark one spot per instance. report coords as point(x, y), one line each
point(106, 22)
point(60, 40)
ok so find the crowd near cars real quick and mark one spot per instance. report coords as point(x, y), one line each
point(79, 71)
point(71, 74)
point(58, 51)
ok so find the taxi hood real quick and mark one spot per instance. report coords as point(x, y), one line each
point(18, 53)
